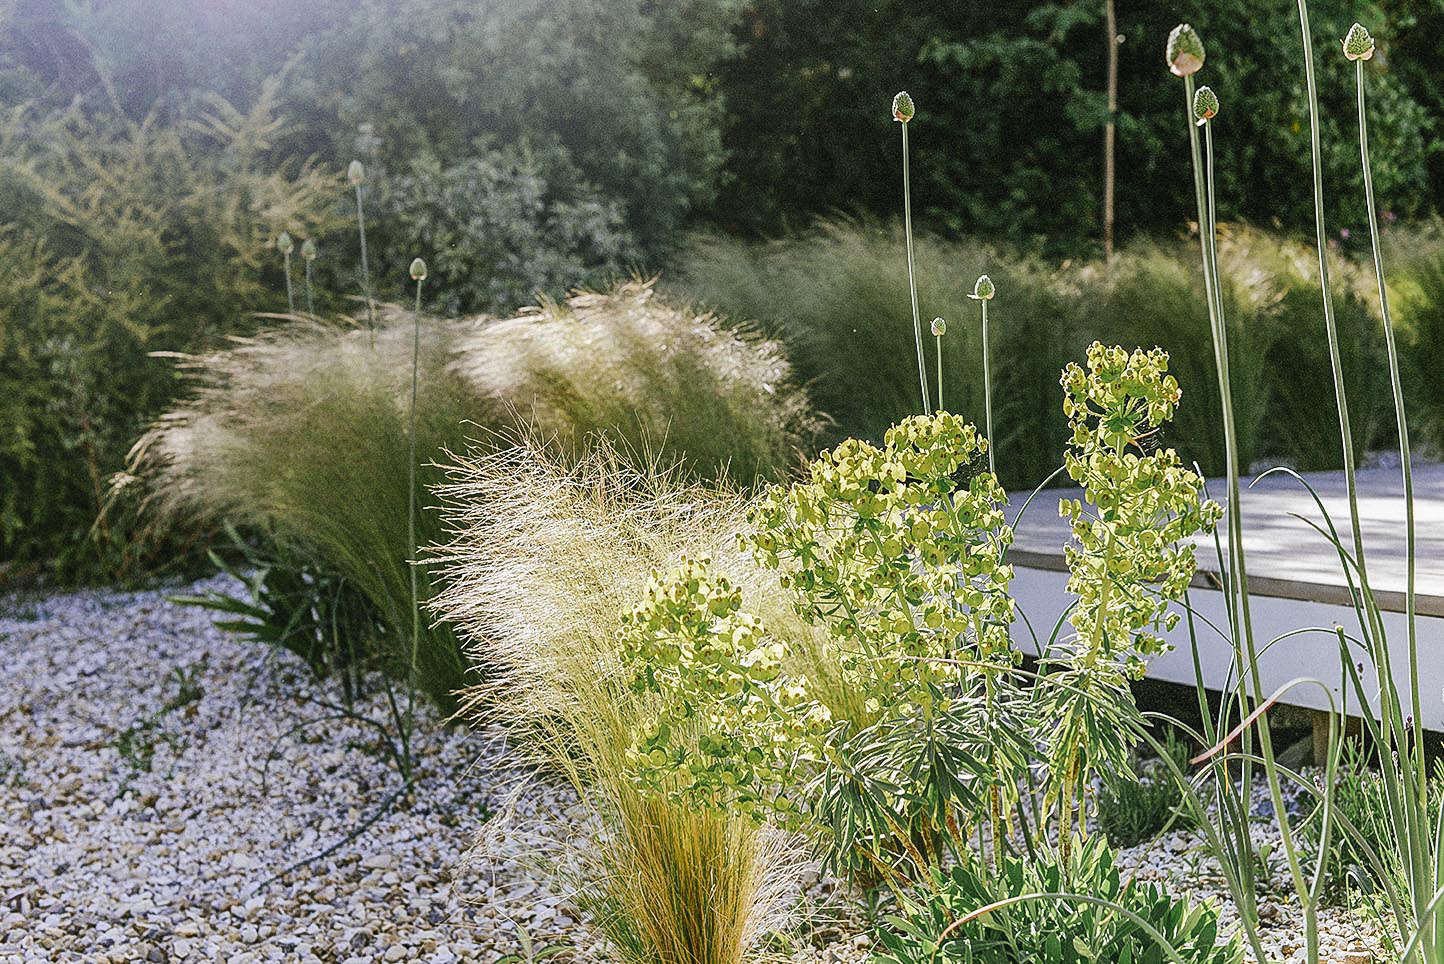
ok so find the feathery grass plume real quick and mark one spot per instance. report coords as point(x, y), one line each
point(650, 370)
point(543, 558)
point(285, 245)
point(356, 174)
point(940, 328)
point(903, 111)
point(308, 255)
point(983, 291)
point(302, 432)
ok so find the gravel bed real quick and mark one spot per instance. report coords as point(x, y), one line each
point(155, 776)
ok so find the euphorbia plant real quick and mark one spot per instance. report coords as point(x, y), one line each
point(1129, 561)
point(898, 553)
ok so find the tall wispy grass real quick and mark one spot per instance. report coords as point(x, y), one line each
point(833, 295)
point(544, 556)
point(301, 433)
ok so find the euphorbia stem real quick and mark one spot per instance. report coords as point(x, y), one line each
point(912, 275)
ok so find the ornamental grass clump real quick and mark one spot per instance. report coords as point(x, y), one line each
point(542, 559)
point(646, 369)
point(301, 434)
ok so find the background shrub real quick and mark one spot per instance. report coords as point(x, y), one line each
point(124, 238)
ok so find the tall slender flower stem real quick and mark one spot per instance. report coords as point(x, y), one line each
point(1240, 614)
point(290, 292)
point(1402, 424)
point(903, 112)
point(940, 328)
point(1330, 329)
point(988, 395)
point(365, 263)
point(285, 245)
point(418, 274)
point(308, 255)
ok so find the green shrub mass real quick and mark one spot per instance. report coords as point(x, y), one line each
point(837, 297)
point(301, 433)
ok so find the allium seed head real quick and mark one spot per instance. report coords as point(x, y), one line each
point(1358, 45)
point(418, 270)
point(308, 249)
point(1185, 51)
point(356, 173)
point(902, 107)
point(284, 244)
point(1205, 105)
point(940, 327)
point(983, 290)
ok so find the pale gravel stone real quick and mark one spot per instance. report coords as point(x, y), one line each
point(169, 868)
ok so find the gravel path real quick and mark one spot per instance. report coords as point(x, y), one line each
point(139, 821)
point(153, 780)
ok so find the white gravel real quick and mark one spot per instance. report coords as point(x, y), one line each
point(104, 860)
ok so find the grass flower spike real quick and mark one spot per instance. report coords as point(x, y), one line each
point(983, 292)
point(903, 110)
point(285, 245)
point(1185, 51)
point(308, 255)
point(1358, 44)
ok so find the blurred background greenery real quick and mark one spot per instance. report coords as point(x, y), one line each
point(151, 150)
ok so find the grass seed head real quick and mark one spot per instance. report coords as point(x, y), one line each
point(983, 289)
point(308, 249)
point(1205, 105)
point(418, 270)
point(284, 244)
point(940, 327)
point(356, 173)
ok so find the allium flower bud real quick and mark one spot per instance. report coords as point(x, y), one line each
point(308, 249)
point(284, 244)
point(940, 327)
point(1358, 45)
point(983, 290)
point(1185, 51)
point(902, 107)
point(356, 173)
point(418, 270)
point(1205, 105)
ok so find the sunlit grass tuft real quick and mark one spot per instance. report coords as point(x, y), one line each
point(544, 558)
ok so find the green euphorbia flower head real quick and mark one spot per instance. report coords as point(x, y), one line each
point(940, 327)
point(308, 249)
point(356, 173)
point(1358, 44)
point(1205, 105)
point(983, 289)
point(284, 244)
point(903, 108)
point(1185, 51)
point(418, 270)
